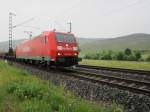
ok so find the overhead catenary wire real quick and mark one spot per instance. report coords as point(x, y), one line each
point(76, 5)
point(34, 27)
point(137, 2)
point(59, 24)
point(20, 24)
point(67, 10)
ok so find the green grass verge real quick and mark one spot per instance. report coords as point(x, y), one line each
point(118, 64)
point(22, 92)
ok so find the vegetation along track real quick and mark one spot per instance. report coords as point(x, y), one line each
point(96, 75)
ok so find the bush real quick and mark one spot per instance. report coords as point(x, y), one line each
point(96, 56)
point(36, 106)
point(88, 56)
point(106, 55)
point(138, 55)
point(131, 58)
point(92, 56)
point(26, 91)
point(120, 56)
point(141, 59)
point(127, 54)
point(148, 58)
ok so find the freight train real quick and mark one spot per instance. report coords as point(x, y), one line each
point(50, 48)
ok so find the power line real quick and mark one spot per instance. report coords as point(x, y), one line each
point(108, 13)
point(122, 8)
point(69, 9)
point(63, 28)
point(65, 11)
point(20, 24)
point(38, 28)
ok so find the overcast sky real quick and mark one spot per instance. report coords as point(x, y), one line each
point(90, 18)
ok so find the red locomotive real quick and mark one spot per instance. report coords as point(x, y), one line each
point(50, 48)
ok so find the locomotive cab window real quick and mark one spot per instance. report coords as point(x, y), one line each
point(69, 39)
point(60, 38)
point(65, 38)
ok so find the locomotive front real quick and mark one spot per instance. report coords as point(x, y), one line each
point(67, 49)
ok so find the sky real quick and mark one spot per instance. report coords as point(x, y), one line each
point(90, 18)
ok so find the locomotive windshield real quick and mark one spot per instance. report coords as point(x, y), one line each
point(65, 38)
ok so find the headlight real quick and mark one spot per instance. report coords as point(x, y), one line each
point(59, 47)
point(58, 54)
point(75, 48)
point(75, 54)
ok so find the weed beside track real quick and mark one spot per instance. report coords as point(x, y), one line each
point(22, 92)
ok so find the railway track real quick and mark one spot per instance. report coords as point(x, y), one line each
point(119, 72)
point(122, 70)
point(95, 75)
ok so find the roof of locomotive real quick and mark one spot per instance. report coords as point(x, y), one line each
point(49, 32)
point(46, 33)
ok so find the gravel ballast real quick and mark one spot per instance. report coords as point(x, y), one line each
point(132, 102)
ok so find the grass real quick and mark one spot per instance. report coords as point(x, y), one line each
point(20, 91)
point(118, 64)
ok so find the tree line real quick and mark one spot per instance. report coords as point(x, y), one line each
point(127, 55)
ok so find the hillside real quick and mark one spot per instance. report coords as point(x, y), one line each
point(134, 41)
point(4, 45)
point(83, 41)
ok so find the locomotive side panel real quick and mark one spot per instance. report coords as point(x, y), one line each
point(36, 48)
point(52, 46)
point(32, 49)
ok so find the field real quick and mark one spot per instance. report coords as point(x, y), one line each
point(22, 92)
point(118, 64)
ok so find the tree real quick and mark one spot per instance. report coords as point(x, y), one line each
point(106, 55)
point(148, 58)
point(120, 56)
point(138, 55)
point(95, 56)
point(128, 51)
